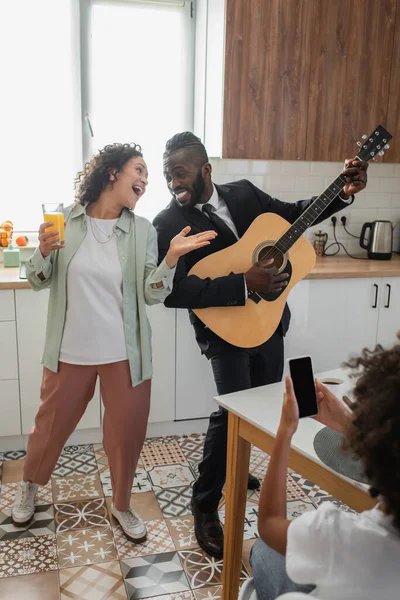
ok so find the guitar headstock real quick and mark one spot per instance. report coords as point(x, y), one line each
point(375, 144)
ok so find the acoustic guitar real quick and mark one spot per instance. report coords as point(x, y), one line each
point(271, 236)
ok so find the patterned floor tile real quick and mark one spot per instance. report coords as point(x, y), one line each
point(81, 463)
point(209, 593)
point(181, 596)
point(85, 448)
point(141, 482)
point(194, 467)
point(295, 508)
point(338, 503)
point(174, 502)
point(158, 541)
point(258, 463)
point(156, 441)
point(14, 455)
point(9, 490)
point(203, 570)
point(41, 524)
point(76, 487)
point(36, 586)
point(162, 454)
point(152, 576)
point(182, 532)
point(309, 488)
point(28, 555)
point(253, 496)
point(247, 546)
point(101, 459)
point(81, 515)
point(87, 546)
point(250, 529)
point(170, 476)
point(12, 471)
point(95, 582)
point(192, 446)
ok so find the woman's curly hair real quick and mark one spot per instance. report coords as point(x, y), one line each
point(374, 434)
point(95, 176)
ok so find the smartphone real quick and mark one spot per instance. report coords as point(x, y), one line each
point(302, 376)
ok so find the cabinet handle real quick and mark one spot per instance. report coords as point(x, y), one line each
point(389, 290)
point(375, 304)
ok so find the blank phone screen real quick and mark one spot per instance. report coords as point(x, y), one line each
point(304, 387)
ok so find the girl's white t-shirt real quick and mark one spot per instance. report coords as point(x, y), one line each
point(94, 326)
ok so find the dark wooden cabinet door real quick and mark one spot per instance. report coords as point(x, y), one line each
point(267, 67)
point(351, 53)
point(393, 119)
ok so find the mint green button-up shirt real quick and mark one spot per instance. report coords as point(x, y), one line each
point(138, 255)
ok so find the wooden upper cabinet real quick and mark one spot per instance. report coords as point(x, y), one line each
point(393, 119)
point(304, 79)
point(351, 52)
point(267, 70)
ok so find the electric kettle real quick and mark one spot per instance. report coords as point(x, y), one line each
point(379, 239)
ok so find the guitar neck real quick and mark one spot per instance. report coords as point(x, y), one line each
point(309, 216)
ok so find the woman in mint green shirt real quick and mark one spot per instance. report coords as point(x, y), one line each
point(100, 281)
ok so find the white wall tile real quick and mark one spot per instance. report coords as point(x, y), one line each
point(236, 167)
point(326, 169)
point(295, 180)
point(395, 200)
point(310, 183)
point(262, 167)
point(296, 167)
point(389, 214)
point(390, 184)
point(285, 183)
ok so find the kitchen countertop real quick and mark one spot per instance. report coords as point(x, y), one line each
point(338, 267)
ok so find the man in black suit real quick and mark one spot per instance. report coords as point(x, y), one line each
point(229, 209)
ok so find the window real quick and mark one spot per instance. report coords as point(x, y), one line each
point(141, 81)
point(136, 87)
point(40, 107)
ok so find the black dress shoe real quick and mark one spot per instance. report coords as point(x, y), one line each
point(253, 483)
point(208, 531)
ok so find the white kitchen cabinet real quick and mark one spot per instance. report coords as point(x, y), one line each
point(298, 339)
point(31, 309)
point(10, 413)
point(162, 321)
point(195, 387)
point(7, 309)
point(8, 350)
point(342, 319)
point(389, 310)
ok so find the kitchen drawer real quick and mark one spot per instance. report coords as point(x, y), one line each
point(10, 421)
point(8, 350)
point(7, 309)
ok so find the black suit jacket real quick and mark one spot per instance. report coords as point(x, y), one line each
point(245, 202)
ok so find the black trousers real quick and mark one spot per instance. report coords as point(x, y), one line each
point(234, 369)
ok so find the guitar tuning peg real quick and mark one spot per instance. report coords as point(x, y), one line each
point(386, 147)
point(374, 158)
point(364, 137)
point(358, 143)
point(381, 153)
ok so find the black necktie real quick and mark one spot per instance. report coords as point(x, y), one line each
point(226, 234)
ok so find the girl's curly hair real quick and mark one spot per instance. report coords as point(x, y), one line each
point(95, 176)
point(374, 433)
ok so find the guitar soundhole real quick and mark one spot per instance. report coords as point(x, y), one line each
point(269, 252)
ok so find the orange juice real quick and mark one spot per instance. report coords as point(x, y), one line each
point(58, 219)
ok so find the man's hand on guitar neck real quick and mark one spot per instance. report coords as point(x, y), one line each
point(355, 172)
point(264, 278)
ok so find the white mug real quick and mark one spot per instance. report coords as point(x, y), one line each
point(336, 386)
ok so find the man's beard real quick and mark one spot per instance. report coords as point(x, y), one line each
point(198, 188)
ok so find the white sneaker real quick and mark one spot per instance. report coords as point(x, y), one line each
point(133, 526)
point(23, 508)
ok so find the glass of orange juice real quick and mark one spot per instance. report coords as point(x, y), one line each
point(54, 213)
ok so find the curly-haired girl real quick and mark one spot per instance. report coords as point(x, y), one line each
point(100, 281)
point(345, 556)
